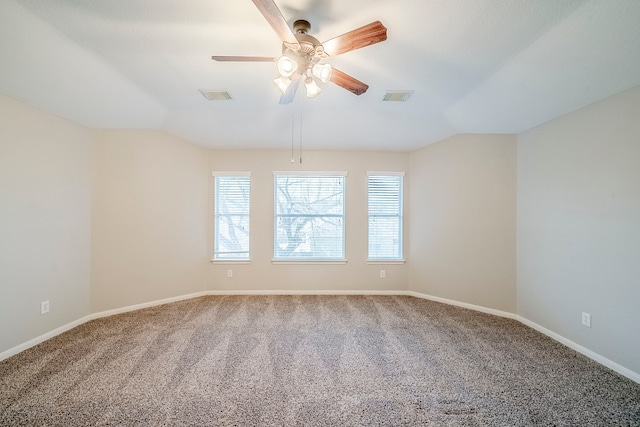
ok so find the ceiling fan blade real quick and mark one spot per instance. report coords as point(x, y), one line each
point(367, 35)
point(274, 17)
point(290, 94)
point(349, 83)
point(243, 58)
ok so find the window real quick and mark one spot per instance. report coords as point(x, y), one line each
point(385, 215)
point(309, 216)
point(231, 215)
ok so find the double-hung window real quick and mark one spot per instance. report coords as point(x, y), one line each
point(385, 215)
point(232, 197)
point(309, 216)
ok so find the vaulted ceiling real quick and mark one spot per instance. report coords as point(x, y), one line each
point(489, 66)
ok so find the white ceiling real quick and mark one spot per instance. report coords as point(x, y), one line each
point(490, 66)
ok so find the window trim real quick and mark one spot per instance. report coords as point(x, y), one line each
point(215, 174)
point(399, 260)
point(311, 173)
point(311, 260)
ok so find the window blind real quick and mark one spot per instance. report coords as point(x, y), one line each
point(231, 217)
point(385, 216)
point(309, 217)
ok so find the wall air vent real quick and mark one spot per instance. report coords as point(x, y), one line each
point(216, 95)
point(397, 95)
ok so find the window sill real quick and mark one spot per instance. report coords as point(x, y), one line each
point(385, 261)
point(230, 261)
point(308, 261)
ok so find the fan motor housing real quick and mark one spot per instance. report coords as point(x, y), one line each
point(311, 50)
point(301, 26)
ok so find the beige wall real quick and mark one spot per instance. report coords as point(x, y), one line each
point(149, 222)
point(261, 274)
point(579, 226)
point(462, 220)
point(45, 210)
point(96, 220)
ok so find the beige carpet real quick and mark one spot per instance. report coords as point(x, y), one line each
point(310, 360)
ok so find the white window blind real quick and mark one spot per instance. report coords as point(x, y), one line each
point(231, 216)
point(309, 216)
point(385, 216)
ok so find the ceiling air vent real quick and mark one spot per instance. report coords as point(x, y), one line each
point(216, 95)
point(397, 95)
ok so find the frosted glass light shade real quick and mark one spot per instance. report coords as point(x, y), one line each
point(286, 66)
point(282, 83)
point(313, 89)
point(323, 72)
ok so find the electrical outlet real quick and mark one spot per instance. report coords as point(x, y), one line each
point(229, 273)
point(383, 274)
point(44, 307)
point(586, 319)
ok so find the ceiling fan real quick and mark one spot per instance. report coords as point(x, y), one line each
point(302, 54)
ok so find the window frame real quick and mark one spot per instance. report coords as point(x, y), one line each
point(307, 259)
point(216, 216)
point(400, 215)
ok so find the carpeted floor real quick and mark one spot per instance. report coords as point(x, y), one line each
point(310, 360)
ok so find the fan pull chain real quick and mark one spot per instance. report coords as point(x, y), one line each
point(300, 138)
point(292, 155)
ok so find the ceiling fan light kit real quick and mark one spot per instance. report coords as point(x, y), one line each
point(286, 66)
point(312, 87)
point(303, 60)
point(282, 83)
point(302, 54)
point(323, 72)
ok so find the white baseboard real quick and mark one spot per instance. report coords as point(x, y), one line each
point(147, 305)
point(583, 350)
point(473, 307)
point(64, 328)
point(42, 338)
point(299, 292)
point(567, 342)
point(580, 349)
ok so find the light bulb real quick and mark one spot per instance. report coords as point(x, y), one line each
point(323, 72)
point(286, 66)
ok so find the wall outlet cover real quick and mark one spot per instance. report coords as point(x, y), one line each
point(586, 319)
